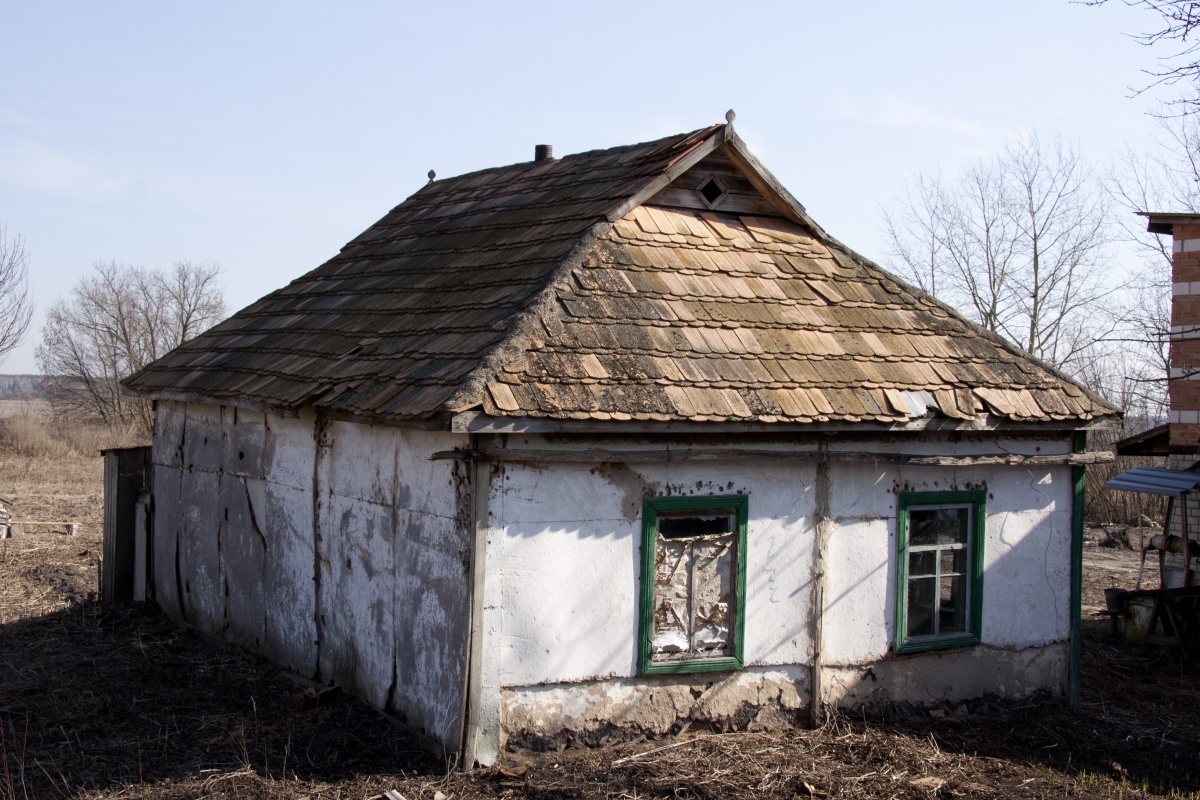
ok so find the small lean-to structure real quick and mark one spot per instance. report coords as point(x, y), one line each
point(594, 447)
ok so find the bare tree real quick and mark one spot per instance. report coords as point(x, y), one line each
point(1164, 178)
point(16, 301)
point(1020, 242)
point(113, 323)
point(1179, 24)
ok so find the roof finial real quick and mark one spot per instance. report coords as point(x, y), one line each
point(432, 175)
point(730, 116)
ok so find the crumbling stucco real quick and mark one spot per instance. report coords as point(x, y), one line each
point(565, 556)
point(601, 712)
point(932, 679)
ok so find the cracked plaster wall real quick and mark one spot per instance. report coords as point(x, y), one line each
point(564, 570)
point(346, 562)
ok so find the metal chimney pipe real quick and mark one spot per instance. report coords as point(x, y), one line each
point(543, 152)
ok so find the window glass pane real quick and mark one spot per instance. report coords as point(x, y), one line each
point(922, 563)
point(952, 605)
point(920, 606)
point(954, 562)
point(933, 526)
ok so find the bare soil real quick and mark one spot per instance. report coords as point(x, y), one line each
point(116, 701)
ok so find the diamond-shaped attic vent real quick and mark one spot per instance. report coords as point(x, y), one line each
point(711, 191)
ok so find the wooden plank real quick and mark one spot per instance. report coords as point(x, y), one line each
point(485, 423)
point(668, 175)
point(658, 455)
point(766, 183)
point(675, 196)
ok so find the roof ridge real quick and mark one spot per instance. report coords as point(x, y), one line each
point(570, 157)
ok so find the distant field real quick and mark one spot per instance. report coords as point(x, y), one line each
point(11, 408)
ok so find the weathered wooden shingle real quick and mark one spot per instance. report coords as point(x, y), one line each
point(508, 290)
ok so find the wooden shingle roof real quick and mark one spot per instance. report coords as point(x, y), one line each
point(572, 290)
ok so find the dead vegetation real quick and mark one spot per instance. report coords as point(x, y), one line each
point(29, 428)
point(100, 701)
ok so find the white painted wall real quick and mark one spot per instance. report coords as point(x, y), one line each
point(347, 563)
point(564, 564)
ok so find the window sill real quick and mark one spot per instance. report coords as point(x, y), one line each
point(696, 665)
point(928, 645)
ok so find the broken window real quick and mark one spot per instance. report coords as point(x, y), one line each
point(693, 552)
point(940, 570)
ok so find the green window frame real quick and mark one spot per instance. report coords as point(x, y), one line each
point(939, 573)
point(691, 547)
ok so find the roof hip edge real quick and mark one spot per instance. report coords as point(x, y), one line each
point(524, 324)
point(1107, 408)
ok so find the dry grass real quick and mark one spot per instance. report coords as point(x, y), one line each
point(113, 702)
point(29, 428)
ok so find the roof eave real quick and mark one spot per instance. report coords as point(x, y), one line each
point(1164, 222)
point(478, 422)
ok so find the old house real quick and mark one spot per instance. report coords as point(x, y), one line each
point(594, 446)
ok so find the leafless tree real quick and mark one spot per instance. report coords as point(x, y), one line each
point(1021, 242)
point(1179, 23)
point(1166, 177)
point(16, 301)
point(113, 323)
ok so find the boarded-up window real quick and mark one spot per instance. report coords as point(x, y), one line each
point(693, 551)
point(940, 575)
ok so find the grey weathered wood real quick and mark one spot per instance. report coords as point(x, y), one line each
point(476, 422)
point(126, 478)
point(141, 546)
point(729, 203)
point(669, 175)
point(212, 400)
point(766, 183)
point(656, 455)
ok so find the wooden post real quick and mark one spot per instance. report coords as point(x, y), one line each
point(822, 530)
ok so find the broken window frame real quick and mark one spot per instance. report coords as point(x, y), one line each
point(651, 508)
point(977, 520)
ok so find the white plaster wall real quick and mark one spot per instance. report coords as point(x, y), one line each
point(1027, 558)
point(564, 568)
point(233, 519)
point(1026, 587)
point(348, 563)
point(394, 573)
point(564, 564)
point(286, 493)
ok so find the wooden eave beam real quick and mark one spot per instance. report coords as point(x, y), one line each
point(665, 454)
point(478, 422)
point(247, 403)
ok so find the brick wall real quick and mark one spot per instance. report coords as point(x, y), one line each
point(1185, 341)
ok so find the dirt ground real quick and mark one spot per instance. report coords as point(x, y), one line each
point(99, 701)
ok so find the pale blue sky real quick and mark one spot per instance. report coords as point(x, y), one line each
point(264, 136)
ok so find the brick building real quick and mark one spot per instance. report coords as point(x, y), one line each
point(1184, 387)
